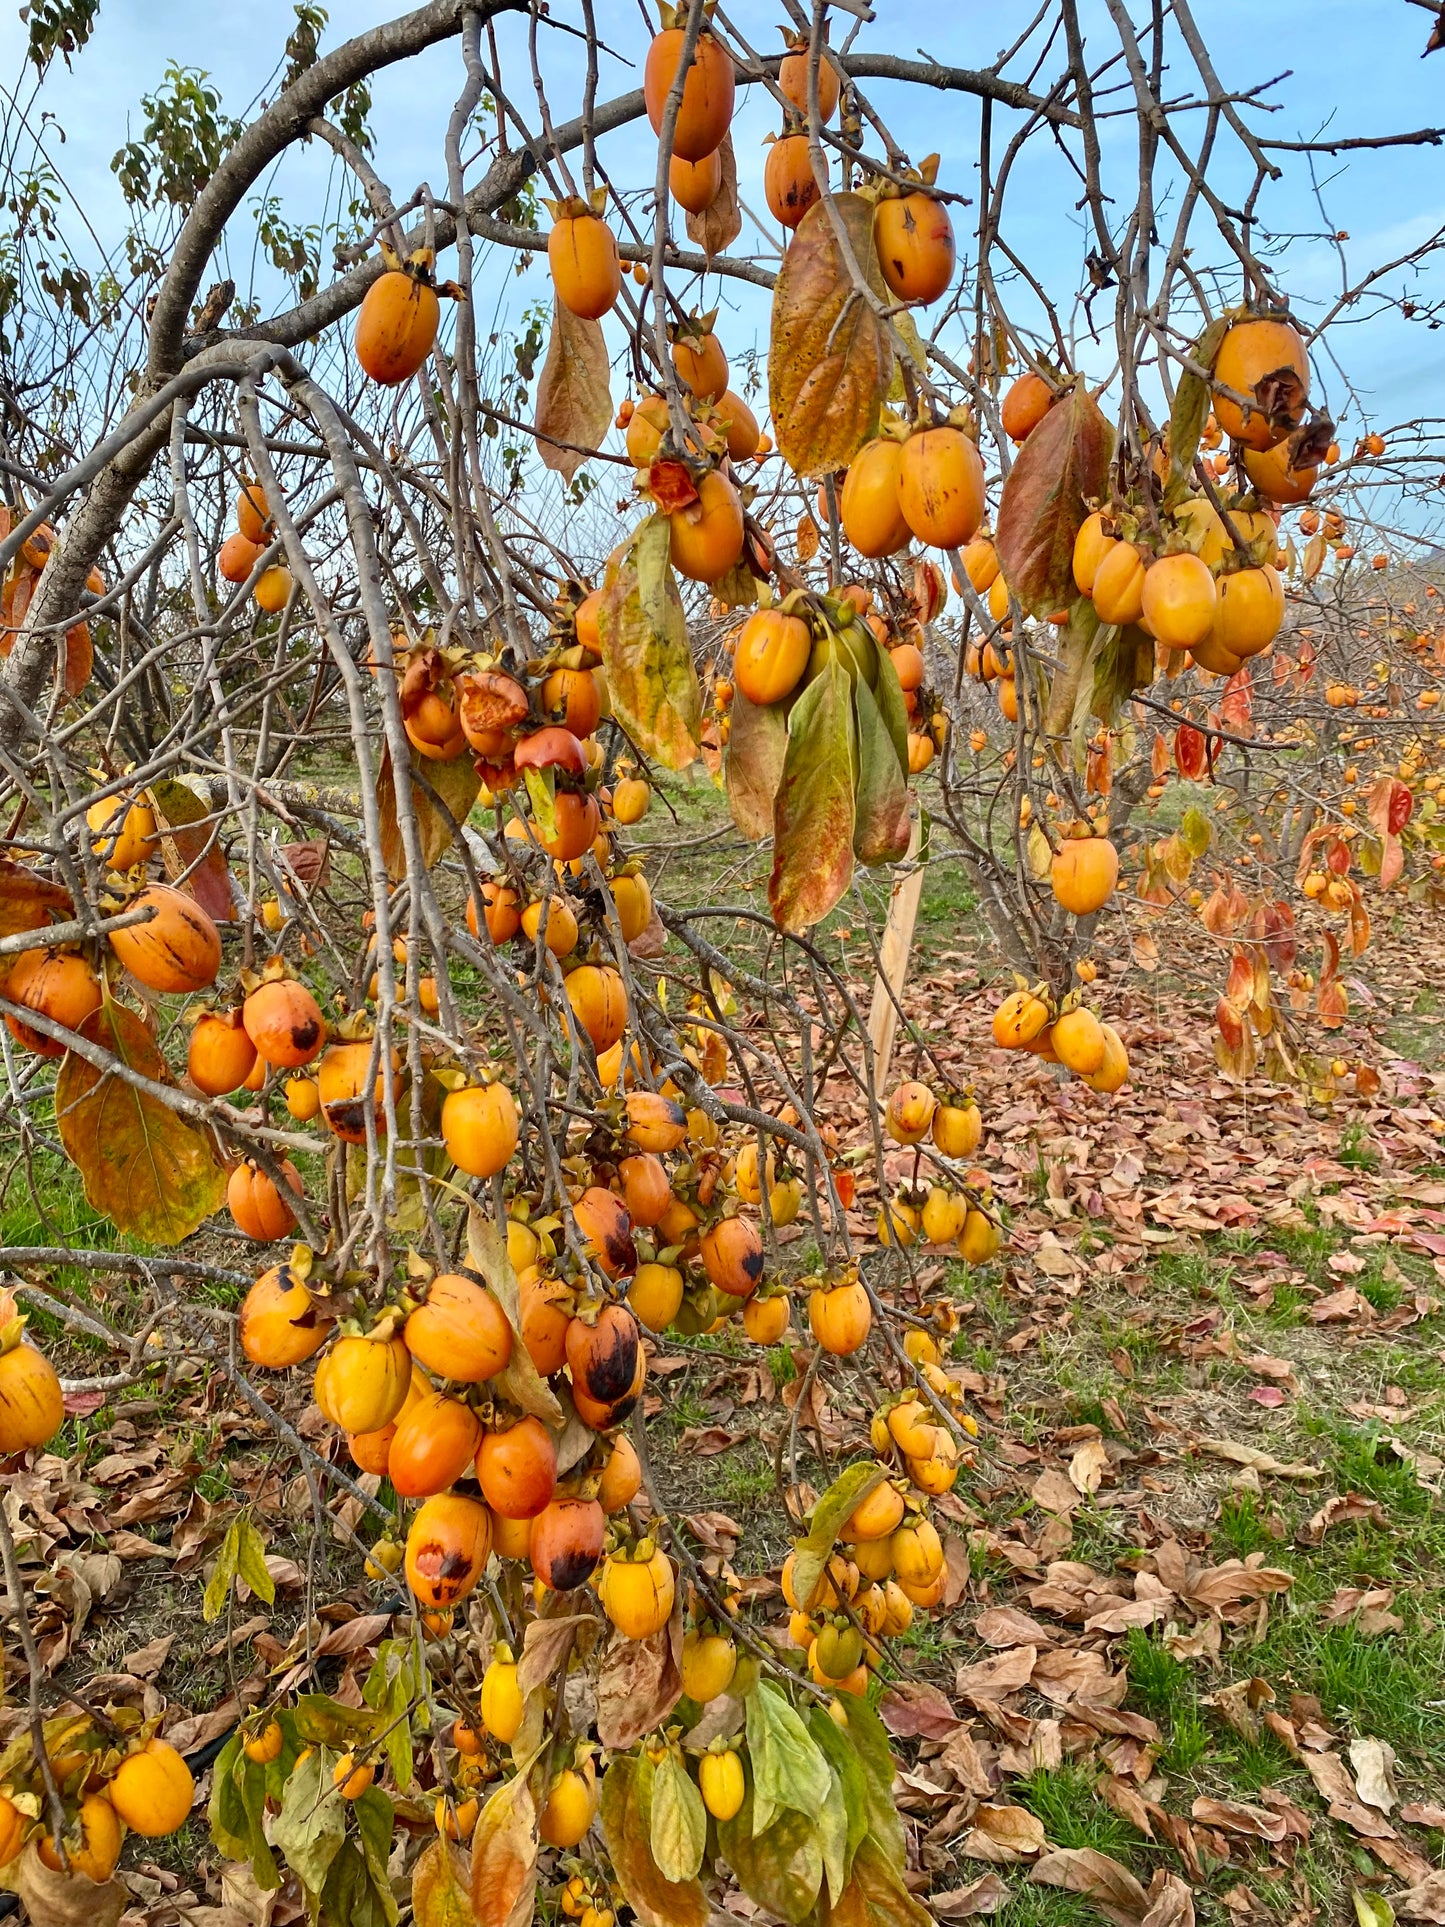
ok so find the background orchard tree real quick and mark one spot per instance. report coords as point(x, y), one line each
point(362, 621)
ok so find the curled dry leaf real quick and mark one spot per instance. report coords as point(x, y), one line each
point(1006, 1834)
point(66, 1900)
point(1236, 1816)
point(640, 1683)
point(1374, 1764)
point(573, 402)
point(721, 221)
point(986, 1895)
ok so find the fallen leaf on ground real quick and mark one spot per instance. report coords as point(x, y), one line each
point(1425, 1901)
point(1084, 1870)
point(1374, 1764)
point(1258, 1461)
point(1346, 1508)
point(982, 1896)
point(1088, 1465)
point(1235, 1816)
point(1004, 1834)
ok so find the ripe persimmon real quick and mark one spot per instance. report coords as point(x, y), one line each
point(396, 327)
point(706, 107)
point(913, 236)
point(582, 254)
point(772, 654)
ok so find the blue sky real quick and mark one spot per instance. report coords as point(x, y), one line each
point(1355, 65)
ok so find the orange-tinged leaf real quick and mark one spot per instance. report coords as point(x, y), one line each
point(1063, 464)
point(813, 817)
point(873, 1897)
point(1389, 807)
point(651, 677)
point(573, 401)
point(1236, 707)
point(439, 1886)
point(504, 1857)
point(190, 846)
point(829, 358)
point(153, 1174)
point(26, 901)
point(626, 1813)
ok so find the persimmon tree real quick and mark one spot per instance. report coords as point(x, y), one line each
point(1023, 542)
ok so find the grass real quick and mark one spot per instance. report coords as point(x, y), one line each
point(1072, 1813)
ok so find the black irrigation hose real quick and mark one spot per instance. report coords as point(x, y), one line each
point(204, 1756)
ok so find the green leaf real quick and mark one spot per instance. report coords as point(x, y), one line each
point(439, 1884)
point(869, 1738)
point(349, 1897)
point(1077, 652)
point(1061, 467)
point(391, 1687)
point(813, 814)
point(375, 1821)
point(833, 1836)
point(874, 1897)
point(829, 357)
point(1195, 831)
point(788, 1769)
point(626, 1815)
point(838, 1750)
point(1372, 1910)
point(829, 1515)
point(646, 654)
point(237, 1805)
point(542, 795)
point(323, 1721)
point(880, 830)
point(753, 764)
point(251, 1562)
point(1190, 412)
point(311, 1825)
point(888, 694)
point(218, 1586)
point(781, 1868)
point(151, 1173)
point(678, 1831)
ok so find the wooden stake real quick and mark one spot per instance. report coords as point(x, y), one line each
point(893, 955)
